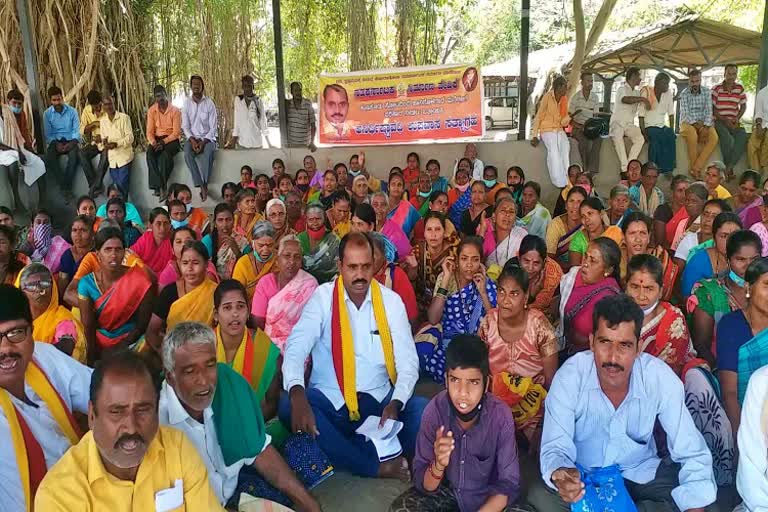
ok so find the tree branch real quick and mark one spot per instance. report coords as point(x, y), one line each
point(90, 54)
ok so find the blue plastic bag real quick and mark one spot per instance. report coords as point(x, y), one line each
point(604, 491)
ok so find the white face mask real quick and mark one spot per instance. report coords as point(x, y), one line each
point(647, 311)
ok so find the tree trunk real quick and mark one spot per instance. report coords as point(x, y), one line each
point(584, 48)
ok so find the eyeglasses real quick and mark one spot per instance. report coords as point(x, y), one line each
point(38, 287)
point(16, 335)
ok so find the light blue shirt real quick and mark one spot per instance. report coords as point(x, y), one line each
point(61, 125)
point(751, 478)
point(582, 426)
point(312, 335)
point(131, 214)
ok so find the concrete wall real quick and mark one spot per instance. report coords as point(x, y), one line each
point(379, 159)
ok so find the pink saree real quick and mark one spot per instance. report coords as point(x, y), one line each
point(285, 307)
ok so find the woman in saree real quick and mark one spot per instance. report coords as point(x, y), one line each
point(582, 287)
point(280, 296)
point(277, 215)
point(359, 191)
point(534, 217)
point(712, 261)
point(247, 214)
point(747, 201)
point(712, 299)
point(224, 246)
point(52, 322)
point(302, 185)
point(593, 227)
point(427, 260)
point(229, 191)
point(564, 227)
point(251, 267)
point(264, 188)
point(401, 211)
point(544, 275)
point(618, 205)
point(637, 240)
point(172, 272)
point(522, 351)
point(190, 299)
point(81, 233)
point(249, 352)
point(42, 245)
point(115, 301)
point(515, 181)
point(326, 194)
point(389, 228)
point(438, 202)
point(364, 221)
point(477, 212)
point(463, 295)
point(319, 246)
point(197, 218)
point(459, 196)
point(742, 341)
point(87, 206)
point(154, 246)
point(761, 227)
point(11, 261)
point(703, 238)
point(689, 217)
point(574, 171)
point(668, 214)
point(501, 235)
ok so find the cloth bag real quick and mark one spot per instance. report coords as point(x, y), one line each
point(604, 491)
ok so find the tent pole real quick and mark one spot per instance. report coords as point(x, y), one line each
point(762, 75)
point(607, 88)
point(522, 86)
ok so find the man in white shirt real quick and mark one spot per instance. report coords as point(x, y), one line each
point(40, 388)
point(623, 119)
point(751, 478)
point(585, 105)
point(757, 148)
point(199, 122)
point(364, 363)
point(470, 152)
point(661, 138)
point(187, 403)
point(250, 118)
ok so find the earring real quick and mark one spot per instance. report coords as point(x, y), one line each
point(606, 274)
point(525, 307)
point(747, 293)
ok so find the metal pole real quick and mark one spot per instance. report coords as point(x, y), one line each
point(762, 74)
point(522, 87)
point(30, 66)
point(607, 88)
point(279, 72)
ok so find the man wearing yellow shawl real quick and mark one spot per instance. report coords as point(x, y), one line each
point(364, 364)
point(40, 387)
point(53, 323)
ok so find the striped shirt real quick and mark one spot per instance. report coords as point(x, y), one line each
point(301, 120)
point(696, 107)
point(727, 103)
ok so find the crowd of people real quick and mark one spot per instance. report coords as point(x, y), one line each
point(182, 358)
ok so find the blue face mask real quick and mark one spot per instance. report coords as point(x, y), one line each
point(15, 110)
point(740, 282)
point(188, 207)
point(176, 224)
point(425, 194)
point(353, 173)
point(490, 183)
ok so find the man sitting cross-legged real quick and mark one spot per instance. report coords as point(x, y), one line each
point(364, 363)
point(40, 387)
point(601, 411)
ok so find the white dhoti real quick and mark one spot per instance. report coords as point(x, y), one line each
point(558, 150)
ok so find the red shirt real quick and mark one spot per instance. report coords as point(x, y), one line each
point(401, 285)
point(728, 103)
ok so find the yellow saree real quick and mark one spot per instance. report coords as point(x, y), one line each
point(245, 272)
point(195, 306)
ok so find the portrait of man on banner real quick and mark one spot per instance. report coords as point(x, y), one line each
point(335, 109)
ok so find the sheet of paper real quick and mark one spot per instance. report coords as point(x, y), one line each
point(169, 499)
point(384, 439)
point(33, 168)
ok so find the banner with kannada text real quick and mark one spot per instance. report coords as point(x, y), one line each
point(401, 105)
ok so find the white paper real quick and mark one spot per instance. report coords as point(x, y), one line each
point(384, 439)
point(169, 499)
point(33, 168)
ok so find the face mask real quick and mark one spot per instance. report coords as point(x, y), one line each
point(176, 224)
point(740, 282)
point(587, 189)
point(425, 194)
point(16, 110)
point(463, 188)
point(489, 183)
point(303, 188)
point(316, 234)
point(260, 259)
point(468, 416)
point(647, 311)
point(354, 174)
point(188, 207)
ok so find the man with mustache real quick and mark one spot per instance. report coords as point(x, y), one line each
point(127, 462)
point(209, 402)
point(601, 411)
point(697, 123)
point(364, 364)
point(40, 387)
point(335, 108)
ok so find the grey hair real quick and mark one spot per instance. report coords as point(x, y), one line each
point(183, 333)
point(109, 223)
point(720, 166)
point(285, 240)
point(619, 190)
point(263, 228)
point(315, 205)
point(380, 194)
point(33, 269)
point(274, 202)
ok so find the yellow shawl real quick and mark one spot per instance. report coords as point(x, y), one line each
point(245, 272)
point(194, 306)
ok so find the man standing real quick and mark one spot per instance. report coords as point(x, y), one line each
point(696, 128)
point(163, 134)
point(220, 413)
point(199, 122)
point(585, 105)
point(602, 408)
point(90, 131)
point(126, 461)
point(661, 138)
point(623, 119)
point(301, 123)
point(549, 124)
point(117, 137)
point(364, 364)
point(729, 102)
point(40, 387)
point(62, 137)
point(757, 148)
point(250, 118)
